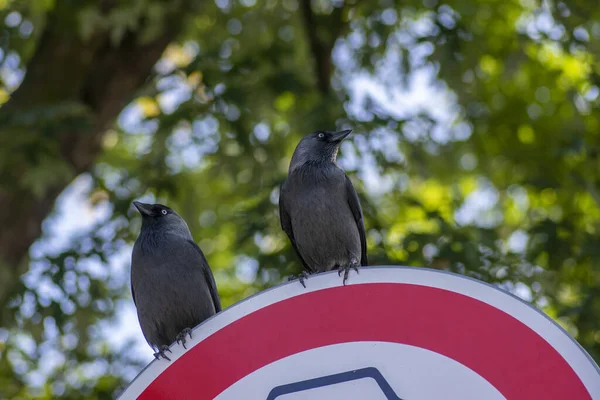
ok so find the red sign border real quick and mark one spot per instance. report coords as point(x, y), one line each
point(216, 366)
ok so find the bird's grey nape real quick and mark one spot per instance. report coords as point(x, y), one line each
point(160, 219)
point(317, 147)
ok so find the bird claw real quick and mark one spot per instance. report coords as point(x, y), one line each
point(161, 353)
point(180, 338)
point(301, 277)
point(346, 270)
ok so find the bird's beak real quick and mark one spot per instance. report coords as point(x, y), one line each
point(143, 208)
point(339, 136)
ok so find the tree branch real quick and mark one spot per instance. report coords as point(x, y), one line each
point(321, 47)
point(591, 188)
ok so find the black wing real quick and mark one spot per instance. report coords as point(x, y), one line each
point(358, 217)
point(131, 282)
point(286, 225)
point(210, 279)
point(133, 295)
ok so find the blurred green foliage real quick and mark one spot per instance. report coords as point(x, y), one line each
point(494, 175)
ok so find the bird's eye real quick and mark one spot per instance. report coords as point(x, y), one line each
point(321, 135)
point(164, 212)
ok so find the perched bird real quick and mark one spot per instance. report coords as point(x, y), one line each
point(172, 284)
point(319, 208)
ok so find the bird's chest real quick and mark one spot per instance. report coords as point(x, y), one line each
point(316, 190)
point(318, 205)
point(158, 259)
point(153, 251)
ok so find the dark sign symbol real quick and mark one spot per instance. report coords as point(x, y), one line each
point(369, 372)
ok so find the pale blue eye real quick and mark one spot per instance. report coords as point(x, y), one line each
point(164, 212)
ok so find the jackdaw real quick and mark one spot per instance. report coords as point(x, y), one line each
point(319, 208)
point(172, 284)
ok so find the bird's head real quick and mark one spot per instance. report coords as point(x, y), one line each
point(158, 217)
point(318, 146)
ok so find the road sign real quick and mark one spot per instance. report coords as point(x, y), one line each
point(390, 333)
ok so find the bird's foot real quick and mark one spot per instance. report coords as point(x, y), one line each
point(346, 270)
point(180, 338)
point(161, 352)
point(301, 277)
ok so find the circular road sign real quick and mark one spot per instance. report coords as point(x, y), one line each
point(390, 333)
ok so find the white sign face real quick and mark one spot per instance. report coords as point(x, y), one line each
point(391, 333)
point(382, 357)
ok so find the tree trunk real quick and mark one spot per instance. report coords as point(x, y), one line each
point(85, 82)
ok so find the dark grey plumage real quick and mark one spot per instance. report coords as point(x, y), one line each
point(319, 208)
point(172, 284)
